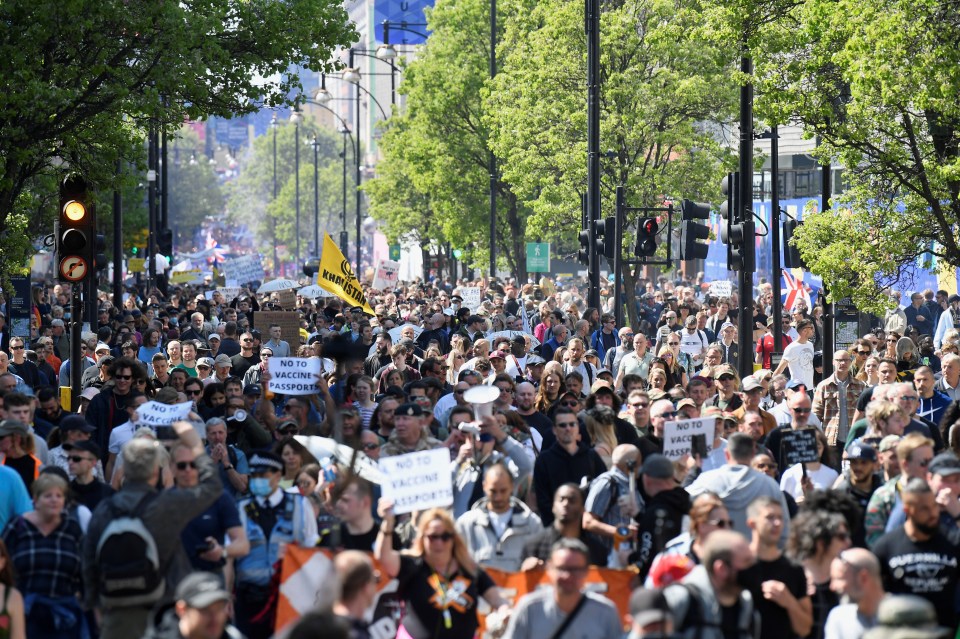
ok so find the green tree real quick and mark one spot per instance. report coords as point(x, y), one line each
point(87, 78)
point(665, 97)
point(877, 85)
point(195, 192)
point(250, 199)
point(440, 146)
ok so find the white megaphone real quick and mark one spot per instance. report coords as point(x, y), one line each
point(482, 398)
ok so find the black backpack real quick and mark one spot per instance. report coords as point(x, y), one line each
point(130, 567)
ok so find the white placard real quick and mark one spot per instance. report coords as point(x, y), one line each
point(721, 288)
point(244, 269)
point(228, 292)
point(293, 375)
point(154, 414)
point(387, 275)
point(676, 435)
point(471, 298)
point(418, 481)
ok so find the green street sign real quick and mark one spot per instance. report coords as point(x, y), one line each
point(457, 254)
point(395, 252)
point(538, 257)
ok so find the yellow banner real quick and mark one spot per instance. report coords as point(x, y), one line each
point(947, 279)
point(336, 276)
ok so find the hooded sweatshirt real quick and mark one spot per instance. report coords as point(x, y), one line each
point(738, 486)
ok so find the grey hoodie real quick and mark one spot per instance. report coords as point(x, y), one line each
point(738, 486)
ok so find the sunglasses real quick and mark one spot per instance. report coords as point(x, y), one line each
point(123, 377)
point(567, 425)
point(186, 465)
point(371, 446)
point(246, 339)
point(570, 404)
point(801, 411)
point(673, 343)
point(16, 348)
point(193, 392)
point(444, 537)
point(669, 414)
point(721, 523)
point(863, 353)
point(76, 458)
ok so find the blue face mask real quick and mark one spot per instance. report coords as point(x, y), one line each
point(260, 486)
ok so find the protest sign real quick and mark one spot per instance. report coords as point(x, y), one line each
point(721, 288)
point(293, 375)
point(189, 276)
point(287, 299)
point(229, 292)
point(676, 435)
point(155, 414)
point(244, 269)
point(798, 446)
point(288, 321)
point(387, 275)
point(418, 481)
point(471, 298)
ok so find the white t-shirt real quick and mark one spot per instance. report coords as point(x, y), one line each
point(799, 358)
point(822, 479)
point(692, 344)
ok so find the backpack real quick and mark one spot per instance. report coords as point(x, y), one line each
point(694, 617)
point(129, 562)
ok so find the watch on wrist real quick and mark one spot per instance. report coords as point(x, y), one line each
point(228, 468)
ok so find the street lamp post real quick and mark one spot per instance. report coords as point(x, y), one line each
point(355, 79)
point(316, 196)
point(295, 118)
point(273, 219)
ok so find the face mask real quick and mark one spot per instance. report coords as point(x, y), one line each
point(260, 486)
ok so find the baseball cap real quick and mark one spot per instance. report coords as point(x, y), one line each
point(859, 450)
point(750, 383)
point(75, 422)
point(648, 605)
point(686, 401)
point(723, 369)
point(101, 347)
point(89, 393)
point(167, 395)
point(11, 427)
point(658, 467)
point(205, 361)
point(287, 424)
point(944, 464)
point(251, 390)
point(86, 446)
point(601, 385)
point(498, 354)
point(535, 360)
point(953, 298)
point(223, 360)
point(201, 589)
point(213, 336)
point(794, 384)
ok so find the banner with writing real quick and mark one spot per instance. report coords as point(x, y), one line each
point(293, 375)
point(244, 269)
point(418, 481)
point(387, 275)
point(677, 435)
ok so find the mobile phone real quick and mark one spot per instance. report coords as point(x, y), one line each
point(202, 548)
point(698, 445)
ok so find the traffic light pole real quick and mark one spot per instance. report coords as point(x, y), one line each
point(592, 10)
point(117, 241)
point(777, 305)
point(745, 213)
point(151, 211)
point(829, 312)
point(618, 257)
point(76, 370)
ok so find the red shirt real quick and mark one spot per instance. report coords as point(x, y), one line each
point(765, 347)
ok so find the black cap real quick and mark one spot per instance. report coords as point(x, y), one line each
point(75, 422)
point(409, 409)
point(252, 390)
point(265, 460)
point(84, 445)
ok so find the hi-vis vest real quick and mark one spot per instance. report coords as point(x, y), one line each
point(257, 567)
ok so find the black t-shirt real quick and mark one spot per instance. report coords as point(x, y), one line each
point(242, 364)
point(345, 540)
point(90, 494)
point(730, 621)
point(924, 568)
point(426, 595)
point(25, 466)
point(775, 622)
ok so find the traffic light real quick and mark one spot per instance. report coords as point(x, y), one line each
point(99, 251)
point(728, 213)
point(165, 242)
point(605, 237)
point(586, 241)
point(647, 230)
point(75, 230)
point(692, 231)
point(791, 255)
point(311, 267)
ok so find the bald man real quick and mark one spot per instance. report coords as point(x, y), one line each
point(856, 574)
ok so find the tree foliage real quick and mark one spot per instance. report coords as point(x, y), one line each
point(87, 78)
point(251, 199)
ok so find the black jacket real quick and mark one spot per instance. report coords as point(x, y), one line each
point(661, 521)
point(555, 467)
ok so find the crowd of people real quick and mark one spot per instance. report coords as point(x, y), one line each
point(117, 528)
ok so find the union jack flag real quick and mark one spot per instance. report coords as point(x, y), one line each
point(217, 254)
point(795, 289)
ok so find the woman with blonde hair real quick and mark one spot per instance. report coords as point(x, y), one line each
point(439, 582)
point(600, 428)
point(868, 374)
point(883, 418)
point(455, 361)
point(676, 375)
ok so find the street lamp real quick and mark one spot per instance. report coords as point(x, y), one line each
point(384, 53)
point(295, 117)
point(316, 195)
point(273, 219)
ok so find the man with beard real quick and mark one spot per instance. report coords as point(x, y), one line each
point(710, 602)
point(611, 360)
point(246, 357)
point(525, 398)
point(380, 357)
point(916, 558)
point(568, 508)
point(861, 482)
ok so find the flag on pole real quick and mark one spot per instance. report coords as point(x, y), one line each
point(336, 276)
point(526, 318)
